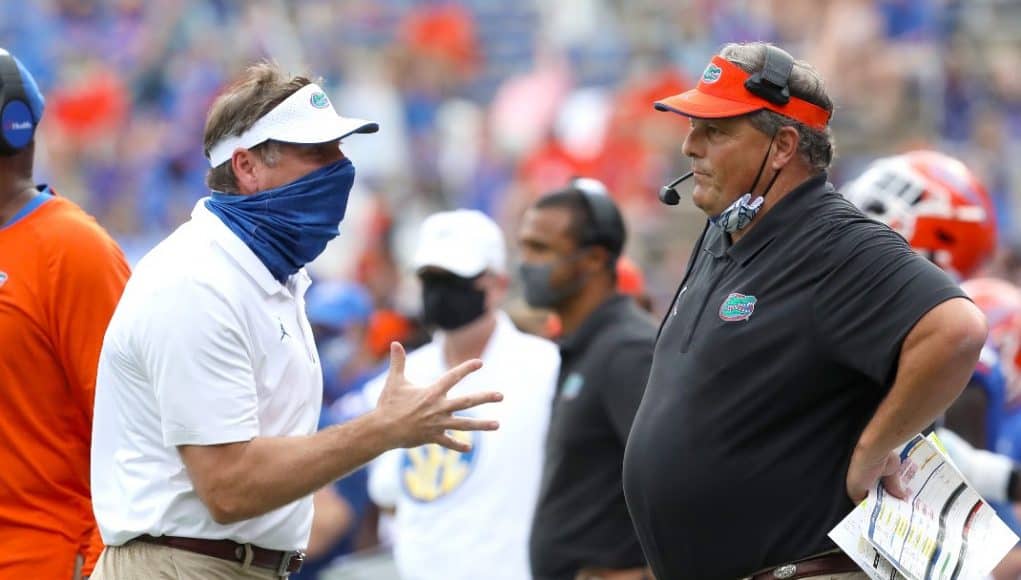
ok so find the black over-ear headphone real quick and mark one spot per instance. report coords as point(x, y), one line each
point(607, 223)
point(15, 109)
point(771, 83)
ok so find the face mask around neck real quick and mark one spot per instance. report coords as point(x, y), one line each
point(739, 214)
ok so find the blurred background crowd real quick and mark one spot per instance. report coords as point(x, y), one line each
point(487, 104)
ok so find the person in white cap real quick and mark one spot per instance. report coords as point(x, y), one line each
point(465, 516)
point(205, 450)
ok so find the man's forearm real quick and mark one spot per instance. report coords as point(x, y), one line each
point(266, 473)
point(936, 362)
point(908, 409)
point(238, 481)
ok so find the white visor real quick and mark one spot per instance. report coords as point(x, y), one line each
point(307, 116)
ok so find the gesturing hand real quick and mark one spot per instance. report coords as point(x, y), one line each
point(418, 415)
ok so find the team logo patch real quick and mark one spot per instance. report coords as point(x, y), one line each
point(737, 307)
point(430, 472)
point(572, 386)
point(3, 278)
point(319, 100)
point(712, 74)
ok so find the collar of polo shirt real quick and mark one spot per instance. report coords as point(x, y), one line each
point(305, 117)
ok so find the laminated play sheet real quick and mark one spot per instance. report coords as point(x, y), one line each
point(943, 530)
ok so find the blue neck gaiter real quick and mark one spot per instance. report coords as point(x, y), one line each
point(288, 226)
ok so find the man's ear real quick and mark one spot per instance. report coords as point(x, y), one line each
point(246, 171)
point(596, 258)
point(786, 144)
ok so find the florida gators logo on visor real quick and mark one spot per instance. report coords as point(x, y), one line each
point(712, 74)
point(319, 100)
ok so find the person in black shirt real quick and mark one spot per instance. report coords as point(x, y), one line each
point(570, 241)
point(804, 344)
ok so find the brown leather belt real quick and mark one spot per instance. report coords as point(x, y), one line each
point(836, 563)
point(283, 563)
point(612, 574)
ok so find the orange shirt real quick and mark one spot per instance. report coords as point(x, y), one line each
point(61, 276)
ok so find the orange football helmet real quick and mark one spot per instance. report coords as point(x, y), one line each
point(934, 201)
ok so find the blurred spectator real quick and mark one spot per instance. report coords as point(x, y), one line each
point(570, 243)
point(489, 104)
point(466, 515)
point(340, 313)
point(545, 323)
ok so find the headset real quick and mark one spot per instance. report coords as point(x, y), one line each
point(607, 223)
point(668, 194)
point(21, 106)
point(770, 83)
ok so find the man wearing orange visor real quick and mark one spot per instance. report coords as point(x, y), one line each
point(804, 344)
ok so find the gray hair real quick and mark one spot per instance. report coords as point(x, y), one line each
point(816, 147)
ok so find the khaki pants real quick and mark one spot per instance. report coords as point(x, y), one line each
point(143, 561)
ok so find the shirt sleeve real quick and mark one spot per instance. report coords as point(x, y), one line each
point(629, 365)
point(876, 291)
point(89, 272)
point(199, 361)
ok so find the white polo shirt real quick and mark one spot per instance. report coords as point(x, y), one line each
point(205, 347)
point(465, 516)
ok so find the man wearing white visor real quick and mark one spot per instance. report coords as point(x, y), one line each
point(205, 450)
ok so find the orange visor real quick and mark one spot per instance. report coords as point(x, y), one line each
point(721, 93)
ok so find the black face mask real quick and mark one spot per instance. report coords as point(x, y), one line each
point(450, 302)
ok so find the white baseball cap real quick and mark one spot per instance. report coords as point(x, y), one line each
point(464, 242)
point(307, 116)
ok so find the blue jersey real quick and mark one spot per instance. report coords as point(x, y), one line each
point(1003, 429)
point(989, 377)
